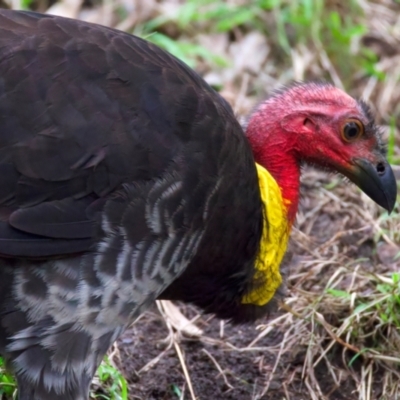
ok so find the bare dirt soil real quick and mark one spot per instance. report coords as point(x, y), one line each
point(247, 372)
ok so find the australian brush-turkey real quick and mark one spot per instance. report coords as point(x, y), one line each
point(125, 178)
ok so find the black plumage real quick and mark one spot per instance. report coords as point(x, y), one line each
point(123, 178)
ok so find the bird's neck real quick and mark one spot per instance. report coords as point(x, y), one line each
point(274, 153)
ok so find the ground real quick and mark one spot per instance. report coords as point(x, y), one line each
point(275, 359)
point(245, 373)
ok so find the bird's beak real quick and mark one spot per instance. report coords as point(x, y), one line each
point(376, 180)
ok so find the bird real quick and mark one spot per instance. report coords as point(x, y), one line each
point(125, 178)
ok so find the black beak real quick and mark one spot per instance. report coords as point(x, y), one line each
point(376, 181)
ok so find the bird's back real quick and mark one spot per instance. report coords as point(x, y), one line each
point(84, 108)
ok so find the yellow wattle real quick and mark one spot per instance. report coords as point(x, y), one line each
point(274, 241)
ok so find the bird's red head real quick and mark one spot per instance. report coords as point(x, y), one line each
point(320, 124)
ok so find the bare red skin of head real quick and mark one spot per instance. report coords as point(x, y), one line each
point(303, 123)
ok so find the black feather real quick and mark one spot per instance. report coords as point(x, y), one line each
point(123, 178)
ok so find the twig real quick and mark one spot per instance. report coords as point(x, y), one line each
point(218, 368)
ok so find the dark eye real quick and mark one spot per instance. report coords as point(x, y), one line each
point(352, 129)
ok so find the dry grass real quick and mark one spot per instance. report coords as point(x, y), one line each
point(342, 310)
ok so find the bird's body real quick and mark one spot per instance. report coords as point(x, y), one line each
point(123, 178)
point(115, 175)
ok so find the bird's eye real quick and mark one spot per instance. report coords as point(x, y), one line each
point(352, 129)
